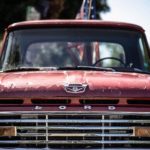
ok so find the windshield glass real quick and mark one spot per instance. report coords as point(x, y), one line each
point(70, 47)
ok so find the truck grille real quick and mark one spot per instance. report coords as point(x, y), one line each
point(76, 130)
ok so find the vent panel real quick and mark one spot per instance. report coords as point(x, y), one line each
point(11, 101)
point(99, 101)
point(138, 102)
point(51, 101)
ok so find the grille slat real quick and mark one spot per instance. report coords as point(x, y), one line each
point(74, 142)
point(71, 121)
point(68, 130)
point(76, 128)
point(72, 135)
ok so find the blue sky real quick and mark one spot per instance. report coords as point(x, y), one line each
point(132, 11)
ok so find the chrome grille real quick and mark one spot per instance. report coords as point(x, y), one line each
point(75, 130)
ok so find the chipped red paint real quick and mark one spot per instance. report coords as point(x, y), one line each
point(35, 102)
point(100, 84)
point(47, 84)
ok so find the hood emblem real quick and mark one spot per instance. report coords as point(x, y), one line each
point(75, 88)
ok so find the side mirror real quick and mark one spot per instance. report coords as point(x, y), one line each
point(0, 44)
point(1, 37)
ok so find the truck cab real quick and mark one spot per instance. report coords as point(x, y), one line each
point(71, 84)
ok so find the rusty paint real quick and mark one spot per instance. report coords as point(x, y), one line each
point(50, 84)
point(100, 84)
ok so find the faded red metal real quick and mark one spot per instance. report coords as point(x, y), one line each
point(100, 84)
point(70, 23)
point(28, 85)
point(74, 108)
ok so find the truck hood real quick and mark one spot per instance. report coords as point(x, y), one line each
point(52, 84)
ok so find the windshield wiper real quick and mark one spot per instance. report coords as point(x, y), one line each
point(137, 70)
point(19, 69)
point(131, 70)
point(86, 68)
point(89, 68)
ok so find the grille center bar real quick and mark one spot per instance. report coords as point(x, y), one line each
point(47, 131)
point(103, 132)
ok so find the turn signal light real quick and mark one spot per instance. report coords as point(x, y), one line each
point(141, 131)
point(8, 131)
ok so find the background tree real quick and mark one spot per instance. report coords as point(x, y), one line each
point(15, 10)
point(68, 9)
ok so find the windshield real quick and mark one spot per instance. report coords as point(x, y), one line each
point(71, 47)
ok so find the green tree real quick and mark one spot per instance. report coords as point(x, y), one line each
point(68, 9)
point(15, 10)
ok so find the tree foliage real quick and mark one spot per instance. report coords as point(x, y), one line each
point(15, 10)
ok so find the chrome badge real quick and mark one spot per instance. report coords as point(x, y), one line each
point(75, 88)
point(111, 108)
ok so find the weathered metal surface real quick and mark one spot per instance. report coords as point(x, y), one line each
point(51, 83)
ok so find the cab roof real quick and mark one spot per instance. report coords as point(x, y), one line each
point(74, 23)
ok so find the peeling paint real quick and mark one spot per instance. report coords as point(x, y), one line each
point(51, 83)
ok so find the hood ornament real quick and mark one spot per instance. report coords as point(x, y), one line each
point(75, 88)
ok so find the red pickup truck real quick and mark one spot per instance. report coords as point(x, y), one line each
point(74, 85)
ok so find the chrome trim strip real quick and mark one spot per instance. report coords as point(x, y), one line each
point(72, 113)
point(83, 142)
point(70, 121)
point(71, 149)
point(75, 128)
point(71, 135)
